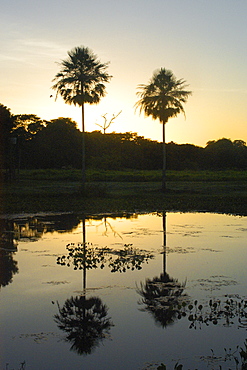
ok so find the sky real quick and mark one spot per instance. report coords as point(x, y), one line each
point(201, 41)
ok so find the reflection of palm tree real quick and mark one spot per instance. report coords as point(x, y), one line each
point(85, 321)
point(163, 295)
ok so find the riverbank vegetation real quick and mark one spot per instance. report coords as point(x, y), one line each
point(28, 142)
point(41, 170)
point(132, 191)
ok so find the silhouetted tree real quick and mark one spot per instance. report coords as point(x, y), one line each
point(57, 145)
point(225, 154)
point(162, 99)
point(81, 80)
point(85, 321)
point(27, 125)
point(106, 123)
point(6, 125)
point(8, 267)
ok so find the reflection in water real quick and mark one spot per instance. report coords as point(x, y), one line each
point(232, 311)
point(8, 267)
point(85, 256)
point(8, 246)
point(85, 319)
point(26, 229)
point(209, 319)
point(8, 235)
point(163, 296)
point(85, 322)
point(32, 228)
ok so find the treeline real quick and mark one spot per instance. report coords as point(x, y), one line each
point(29, 143)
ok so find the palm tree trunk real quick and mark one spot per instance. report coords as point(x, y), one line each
point(164, 241)
point(84, 283)
point(164, 159)
point(83, 151)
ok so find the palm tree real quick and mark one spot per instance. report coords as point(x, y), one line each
point(162, 99)
point(81, 80)
point(163, 295)
point(85, 322)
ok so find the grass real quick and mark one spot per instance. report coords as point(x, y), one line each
point(131, 191)
point(131, 175)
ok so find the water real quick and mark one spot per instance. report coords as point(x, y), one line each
point(56, 317)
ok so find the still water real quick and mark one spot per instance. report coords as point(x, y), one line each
point(125, 291)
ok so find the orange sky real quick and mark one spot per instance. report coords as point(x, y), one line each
point(202, 42)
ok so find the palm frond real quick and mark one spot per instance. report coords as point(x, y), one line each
point(81, 77)
point(163, 97)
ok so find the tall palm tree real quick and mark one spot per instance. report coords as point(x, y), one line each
point(81, 80)
point(162, 99)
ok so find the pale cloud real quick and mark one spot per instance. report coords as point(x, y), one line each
point(241, 91)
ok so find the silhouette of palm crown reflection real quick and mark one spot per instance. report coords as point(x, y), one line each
point(86, 322)
point(163, 296)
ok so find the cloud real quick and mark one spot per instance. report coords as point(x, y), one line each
point(32, 52)
point(241, 91)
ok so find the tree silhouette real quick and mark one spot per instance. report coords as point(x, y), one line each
point(6, 144)
point(81, 80)
point(162, 99)
point(8, 246)
point(85, 321)
point(163, 296)
point(8, 267)
point(106, 124)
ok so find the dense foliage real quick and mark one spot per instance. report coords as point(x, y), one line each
point(58, 144)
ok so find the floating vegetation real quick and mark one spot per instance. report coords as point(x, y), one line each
point(215, 282)
point(86, 256)
point(180, 250)
point(236, 358)
point(56, 282)
point(37, 337)
point(217, 311)
point(211, 250)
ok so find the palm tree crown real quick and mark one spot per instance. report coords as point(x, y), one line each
point(81, 78)
point(162, 98)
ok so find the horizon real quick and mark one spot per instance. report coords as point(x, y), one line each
point(133, 132)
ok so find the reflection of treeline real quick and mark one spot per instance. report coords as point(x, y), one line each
point(33, 227)
point(35, 143)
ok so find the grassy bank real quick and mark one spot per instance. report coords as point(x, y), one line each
point(130, 175)
point(132, 191)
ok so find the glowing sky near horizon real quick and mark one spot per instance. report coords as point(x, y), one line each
point(201, 41)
